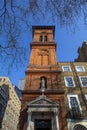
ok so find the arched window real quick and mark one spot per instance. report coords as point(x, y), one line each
point(43, 82)
point(41, 38)
point(79, 127)
point(45, 38)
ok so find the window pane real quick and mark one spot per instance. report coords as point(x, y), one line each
point(84, 81)
point(66, 68)
point(69, 82)
point(80, 68)
point(86, 97)
point(74, 104)
point(45, 38)
point(41, 38)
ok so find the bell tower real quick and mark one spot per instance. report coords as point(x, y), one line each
point(43, 59)
point(43, 47)
point(43, 94)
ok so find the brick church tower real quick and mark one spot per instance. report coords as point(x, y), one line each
point(43, 95)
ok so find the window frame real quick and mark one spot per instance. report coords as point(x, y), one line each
point(77, 98)
point(66, 81)
point(45, 38)
point(66, 66)
point(41, 38)
point(85, 96)
point(81, 81)
point(76, 67)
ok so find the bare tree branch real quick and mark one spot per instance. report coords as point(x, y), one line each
point(16, 16)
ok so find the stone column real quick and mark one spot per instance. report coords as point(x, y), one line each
point(29, 120)
point(56, 122)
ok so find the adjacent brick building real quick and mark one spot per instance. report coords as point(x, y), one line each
point(74, 80)
point(82, 53)
point(55, 93)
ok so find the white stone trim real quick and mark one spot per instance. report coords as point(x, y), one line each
point(66, 66)
point(74, 95)
point(76, 67)
point(57, 124)
point(28, 121)
point(42, 105)
point(85, 96)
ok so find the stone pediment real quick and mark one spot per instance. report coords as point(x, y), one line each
point(42, 101)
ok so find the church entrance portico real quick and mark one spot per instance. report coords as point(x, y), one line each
point(42, 115)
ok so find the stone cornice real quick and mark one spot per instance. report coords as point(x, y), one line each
point(42, 44)
point(56, 91)
point(43, 71)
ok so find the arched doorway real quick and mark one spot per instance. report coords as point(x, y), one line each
point(79, 127)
